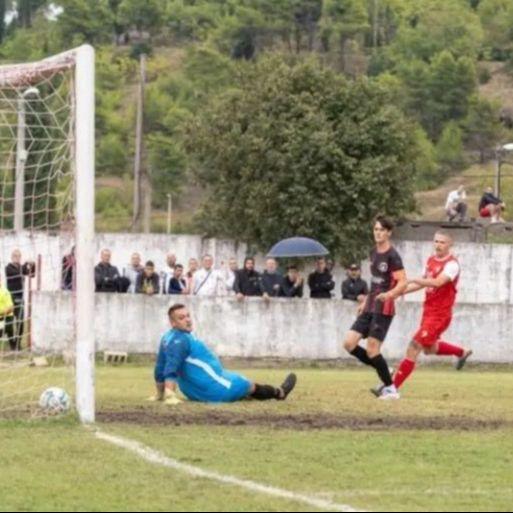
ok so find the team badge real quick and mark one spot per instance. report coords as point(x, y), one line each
point(383, 267)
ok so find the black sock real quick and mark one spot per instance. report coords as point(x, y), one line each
point(381, 366)
point(265, 393)
point(360, 353)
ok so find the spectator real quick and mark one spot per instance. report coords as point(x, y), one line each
point(69, 264)
point(247, 280)
point(7, 318)
point(208, 281)
point(354, 288)
point(456, 206)
point(272, 279)
point(168, 271)
point(133, 271)
point(15, 273)
point(106, 276)
point(491, 206)
point(330, 265)
point(229, 274)
point(292, 285)
point(321, 281)
point(193, 268)
point(177, 284)
point(148, 280)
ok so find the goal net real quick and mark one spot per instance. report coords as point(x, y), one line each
point(46, 232)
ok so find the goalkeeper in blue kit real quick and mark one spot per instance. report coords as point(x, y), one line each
point(186, 363)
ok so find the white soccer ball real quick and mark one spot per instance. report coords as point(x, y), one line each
point(55, 400)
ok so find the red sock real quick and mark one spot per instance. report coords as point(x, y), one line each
point(403, 372)
point(446, 349)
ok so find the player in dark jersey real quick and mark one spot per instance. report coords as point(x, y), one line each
point(375, 315)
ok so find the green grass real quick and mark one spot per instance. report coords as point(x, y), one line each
point(59, 465)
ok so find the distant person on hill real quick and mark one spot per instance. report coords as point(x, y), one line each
point(456, 206)
point(491, 206)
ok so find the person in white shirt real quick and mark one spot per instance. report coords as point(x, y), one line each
point(208, 281)
point(456, 206)
point(228, 274)
point(168, 272)
point(132, 271)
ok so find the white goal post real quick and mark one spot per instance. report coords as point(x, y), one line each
point(47, 166)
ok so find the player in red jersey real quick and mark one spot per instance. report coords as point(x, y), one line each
point(441, 284)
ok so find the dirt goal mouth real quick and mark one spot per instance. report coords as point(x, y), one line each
point(299, 421)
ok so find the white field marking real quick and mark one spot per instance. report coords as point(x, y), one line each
point(158, 458)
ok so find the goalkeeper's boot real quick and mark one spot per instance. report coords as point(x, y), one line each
point(288, 385)
point(463, 360)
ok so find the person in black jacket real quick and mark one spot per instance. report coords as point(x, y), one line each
point(272, 279)
point(15, 272)
point(292, 285)
point(148, 282)
point(321, 281)
point(177, 284)
point(491, 206)
point(354, 288)
point(247, 280)
point(106, 276)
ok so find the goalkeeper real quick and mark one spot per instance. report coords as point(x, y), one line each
point(184, 361)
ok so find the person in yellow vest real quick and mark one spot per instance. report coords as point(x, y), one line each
point(6, 317)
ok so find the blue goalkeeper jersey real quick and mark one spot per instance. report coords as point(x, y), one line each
point(184, 359)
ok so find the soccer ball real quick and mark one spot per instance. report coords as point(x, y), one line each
point(55, 400)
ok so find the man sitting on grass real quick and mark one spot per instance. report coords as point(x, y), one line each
point(186, 362)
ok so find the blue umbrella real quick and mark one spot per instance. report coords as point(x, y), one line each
point(297, 247)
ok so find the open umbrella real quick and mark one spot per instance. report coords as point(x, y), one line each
point(297, 247)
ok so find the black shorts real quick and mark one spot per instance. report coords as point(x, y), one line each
point(371, 325)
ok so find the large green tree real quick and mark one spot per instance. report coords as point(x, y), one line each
point(298, 150)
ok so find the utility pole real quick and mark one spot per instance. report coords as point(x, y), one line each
point(169, 207)
point(139, 146)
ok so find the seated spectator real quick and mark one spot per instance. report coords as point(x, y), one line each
point(168, 271)
point(148, 280)
point(456, 206)
point(272, 279)
point(292, 285)
point(132, 272)
point(354, 288)
point(321, 281)
point(208, 281)
point(228, 274)
point(106, 276)
point(491, 206)
point(177, 284)
point(248, 282)
point(69, 264)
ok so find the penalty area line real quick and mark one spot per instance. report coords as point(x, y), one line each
point(157, 458)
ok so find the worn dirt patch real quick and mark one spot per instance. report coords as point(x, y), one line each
point(300, 421)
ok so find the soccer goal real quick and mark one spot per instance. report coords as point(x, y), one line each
point(47, 231)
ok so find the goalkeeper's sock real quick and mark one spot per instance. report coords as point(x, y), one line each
point(381, 366)
point(403, 372)
point(360, 353)
point(266, 392)
point(446, 349)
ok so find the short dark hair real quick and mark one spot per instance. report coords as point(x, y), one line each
point(174, 308)
point(149, 263)
point(178, 266)
point(249, 259)
point(385, 222)
point(292, 268)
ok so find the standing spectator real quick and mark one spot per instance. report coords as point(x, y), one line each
point(321, 281)
point(456, 206)
point(193, 269)
point(272, 279)
point(7, 318)
point(229, 274)
point(491, 206)
point(168, 271)
point(354, 288)
point(177, 284)
point(292, 285)
point(15, 273)
point(208, 281)
point(106, 276)
point(148, 280)
point(330, 265)
point(248, 281)
point(69, 265)
point(133, 271)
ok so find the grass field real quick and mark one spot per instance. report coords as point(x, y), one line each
point(447, 445)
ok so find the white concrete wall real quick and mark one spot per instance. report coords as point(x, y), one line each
point(487, 268)
point(311, 329)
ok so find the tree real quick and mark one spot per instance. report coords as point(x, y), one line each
point(147, 15)
point(296, 149)
point(449, 148)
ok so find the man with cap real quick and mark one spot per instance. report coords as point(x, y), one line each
point(354, 288)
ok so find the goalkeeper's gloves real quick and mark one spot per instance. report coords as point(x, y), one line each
point(170, 398)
